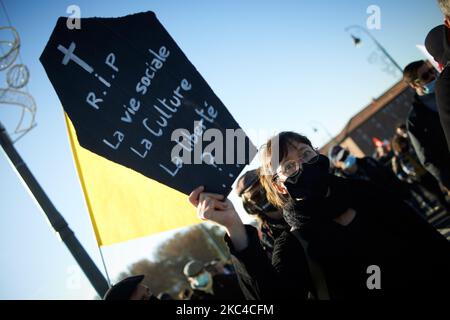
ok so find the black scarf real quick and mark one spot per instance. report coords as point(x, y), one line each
point(340, 199)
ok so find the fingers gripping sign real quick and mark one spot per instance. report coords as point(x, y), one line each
point(214, 207)
point(211, 206)
point(194, 196)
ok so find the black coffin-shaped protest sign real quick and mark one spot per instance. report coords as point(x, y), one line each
point(135, 99)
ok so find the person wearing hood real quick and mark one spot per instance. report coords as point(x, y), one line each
point(255, 203)
point(348, 238)
point(423, 123)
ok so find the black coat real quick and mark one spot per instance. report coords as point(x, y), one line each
point(443, 91)
point(414, 258)
point(372, 170)
point(443, 102)
point(428, 139)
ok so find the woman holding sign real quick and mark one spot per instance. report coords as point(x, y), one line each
point(348, 239)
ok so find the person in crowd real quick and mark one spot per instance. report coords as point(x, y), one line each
point(424, 127)
point(130, 288)
point(217, 266)
point(402, 131)
point(383, 152)
point(165, 296)
point(348, 238)
point(255, 203)
point(368, 169)
point(205, 286)
point(185, 294)
point(438, 45)
point(407, 167)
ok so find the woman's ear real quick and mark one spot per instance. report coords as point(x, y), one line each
point(280, 188)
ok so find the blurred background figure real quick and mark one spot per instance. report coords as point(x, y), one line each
point(130, 288)
point(217, 267)
point(165, 296)
point(206, 286)
point(423, 123)
point(407, 168)
point(185, 294)
point(366, 168)
point(401, 131)
point(383, 152)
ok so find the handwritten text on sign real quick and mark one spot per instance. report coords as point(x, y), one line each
point(134, 106)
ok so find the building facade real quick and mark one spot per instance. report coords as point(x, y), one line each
point(377, 121)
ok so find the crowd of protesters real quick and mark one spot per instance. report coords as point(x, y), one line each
point(325, 221)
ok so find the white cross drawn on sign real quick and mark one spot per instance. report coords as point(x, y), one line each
point(69, 55)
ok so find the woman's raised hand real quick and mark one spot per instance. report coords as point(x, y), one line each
point(214, 207)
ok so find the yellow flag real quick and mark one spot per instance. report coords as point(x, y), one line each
point(124, 204)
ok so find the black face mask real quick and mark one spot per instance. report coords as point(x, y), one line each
point(327, 208)
point(312, 182)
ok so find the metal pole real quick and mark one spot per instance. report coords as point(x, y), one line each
point(211, 240)
point(378, 45)
point(330, 136)
point(57, 221)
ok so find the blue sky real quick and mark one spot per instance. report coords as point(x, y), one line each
point(276, 65)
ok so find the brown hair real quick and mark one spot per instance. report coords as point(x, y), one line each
point(445, 7)
point(272, 153)
point(410, 72)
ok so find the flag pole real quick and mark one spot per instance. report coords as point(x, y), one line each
point(57, 221)
point(211, 240)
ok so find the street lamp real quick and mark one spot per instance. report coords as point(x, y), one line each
point(357, 42)
point(315, 123)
